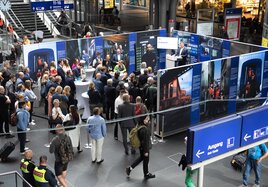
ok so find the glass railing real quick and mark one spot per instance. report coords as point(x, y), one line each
point(13, 179)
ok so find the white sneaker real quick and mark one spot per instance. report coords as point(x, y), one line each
point(255, 185)
point(28, 129)
point(26, 148)
point(32, 123)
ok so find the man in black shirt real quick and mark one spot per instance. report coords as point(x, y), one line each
point(4, 119)
point(145, 140)
point(109, 96)
point(43, 176)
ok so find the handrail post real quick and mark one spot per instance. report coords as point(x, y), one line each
point(88, 145)
point(162, 129)
point(35, 21)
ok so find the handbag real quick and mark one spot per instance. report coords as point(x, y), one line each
point(54, 122)
point(69, 125)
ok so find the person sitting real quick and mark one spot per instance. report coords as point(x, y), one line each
point(26, 40)
point(120, 67)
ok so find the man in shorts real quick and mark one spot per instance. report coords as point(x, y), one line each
point(61, 163)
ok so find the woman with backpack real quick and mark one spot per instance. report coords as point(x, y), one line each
point(73, 119)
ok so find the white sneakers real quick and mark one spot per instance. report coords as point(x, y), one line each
point(255, 185)
point(32, 123)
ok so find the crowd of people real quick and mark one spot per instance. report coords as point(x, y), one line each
point(110, 97)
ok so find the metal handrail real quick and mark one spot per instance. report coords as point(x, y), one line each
point(16, 18)
point(12, 19)
point(16, 174)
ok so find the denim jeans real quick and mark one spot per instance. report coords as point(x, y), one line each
point(252, 164)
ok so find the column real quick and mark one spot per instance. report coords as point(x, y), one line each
point(75, 10)
point(86, 11)
point(120, 5)
point(151, 12)
point(265, 28)
point(233, 3)
point(156, 12)
point(173, 9)
point(80, 10)
point(163, 14)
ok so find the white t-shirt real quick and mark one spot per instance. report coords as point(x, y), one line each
point(118, 101)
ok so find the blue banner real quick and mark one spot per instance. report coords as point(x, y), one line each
point(99, 46)
point(194, 44)
point(162, 52)
point(132, 60)
point(233, 84)
point(196, 82)
point(226, 47)
point(61, 50)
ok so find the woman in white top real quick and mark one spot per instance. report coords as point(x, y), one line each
point(74, 119)
point(66, 66)
point(56, 110)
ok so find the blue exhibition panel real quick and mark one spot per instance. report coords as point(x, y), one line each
point(255, 125)
point(213, 138)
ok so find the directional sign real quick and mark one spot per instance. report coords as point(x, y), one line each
point(255, 125)
point(50, 5)
point(213, 138)
point(68, 6)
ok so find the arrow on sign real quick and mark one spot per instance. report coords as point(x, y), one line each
point(246, 137)
point(199, 153)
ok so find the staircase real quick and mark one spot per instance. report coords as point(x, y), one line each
point(27, 18)
point(52, 16)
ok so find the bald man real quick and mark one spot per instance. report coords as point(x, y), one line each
point(27, 167)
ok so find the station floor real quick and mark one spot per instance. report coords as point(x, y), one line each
point(111, 173)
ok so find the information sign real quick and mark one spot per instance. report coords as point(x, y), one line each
point(255, 125)
point(214, 138)
point(50, 5)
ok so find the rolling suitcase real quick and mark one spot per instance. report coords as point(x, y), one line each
point(7, 149)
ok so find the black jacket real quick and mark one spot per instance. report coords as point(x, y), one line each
point(61, 73)
point(145, 139)
point(127, 110)
point(110, 94)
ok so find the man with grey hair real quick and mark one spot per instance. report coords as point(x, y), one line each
point(125, 110)
point(58, 80)
point(20, 79)
point(109, 97)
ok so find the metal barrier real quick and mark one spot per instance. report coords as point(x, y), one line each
point(14, 179)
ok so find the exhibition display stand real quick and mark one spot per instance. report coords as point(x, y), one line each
point(86, 112)
point(81, 87)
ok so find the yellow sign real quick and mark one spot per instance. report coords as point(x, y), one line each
point(108, 4)
point(264, 42)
